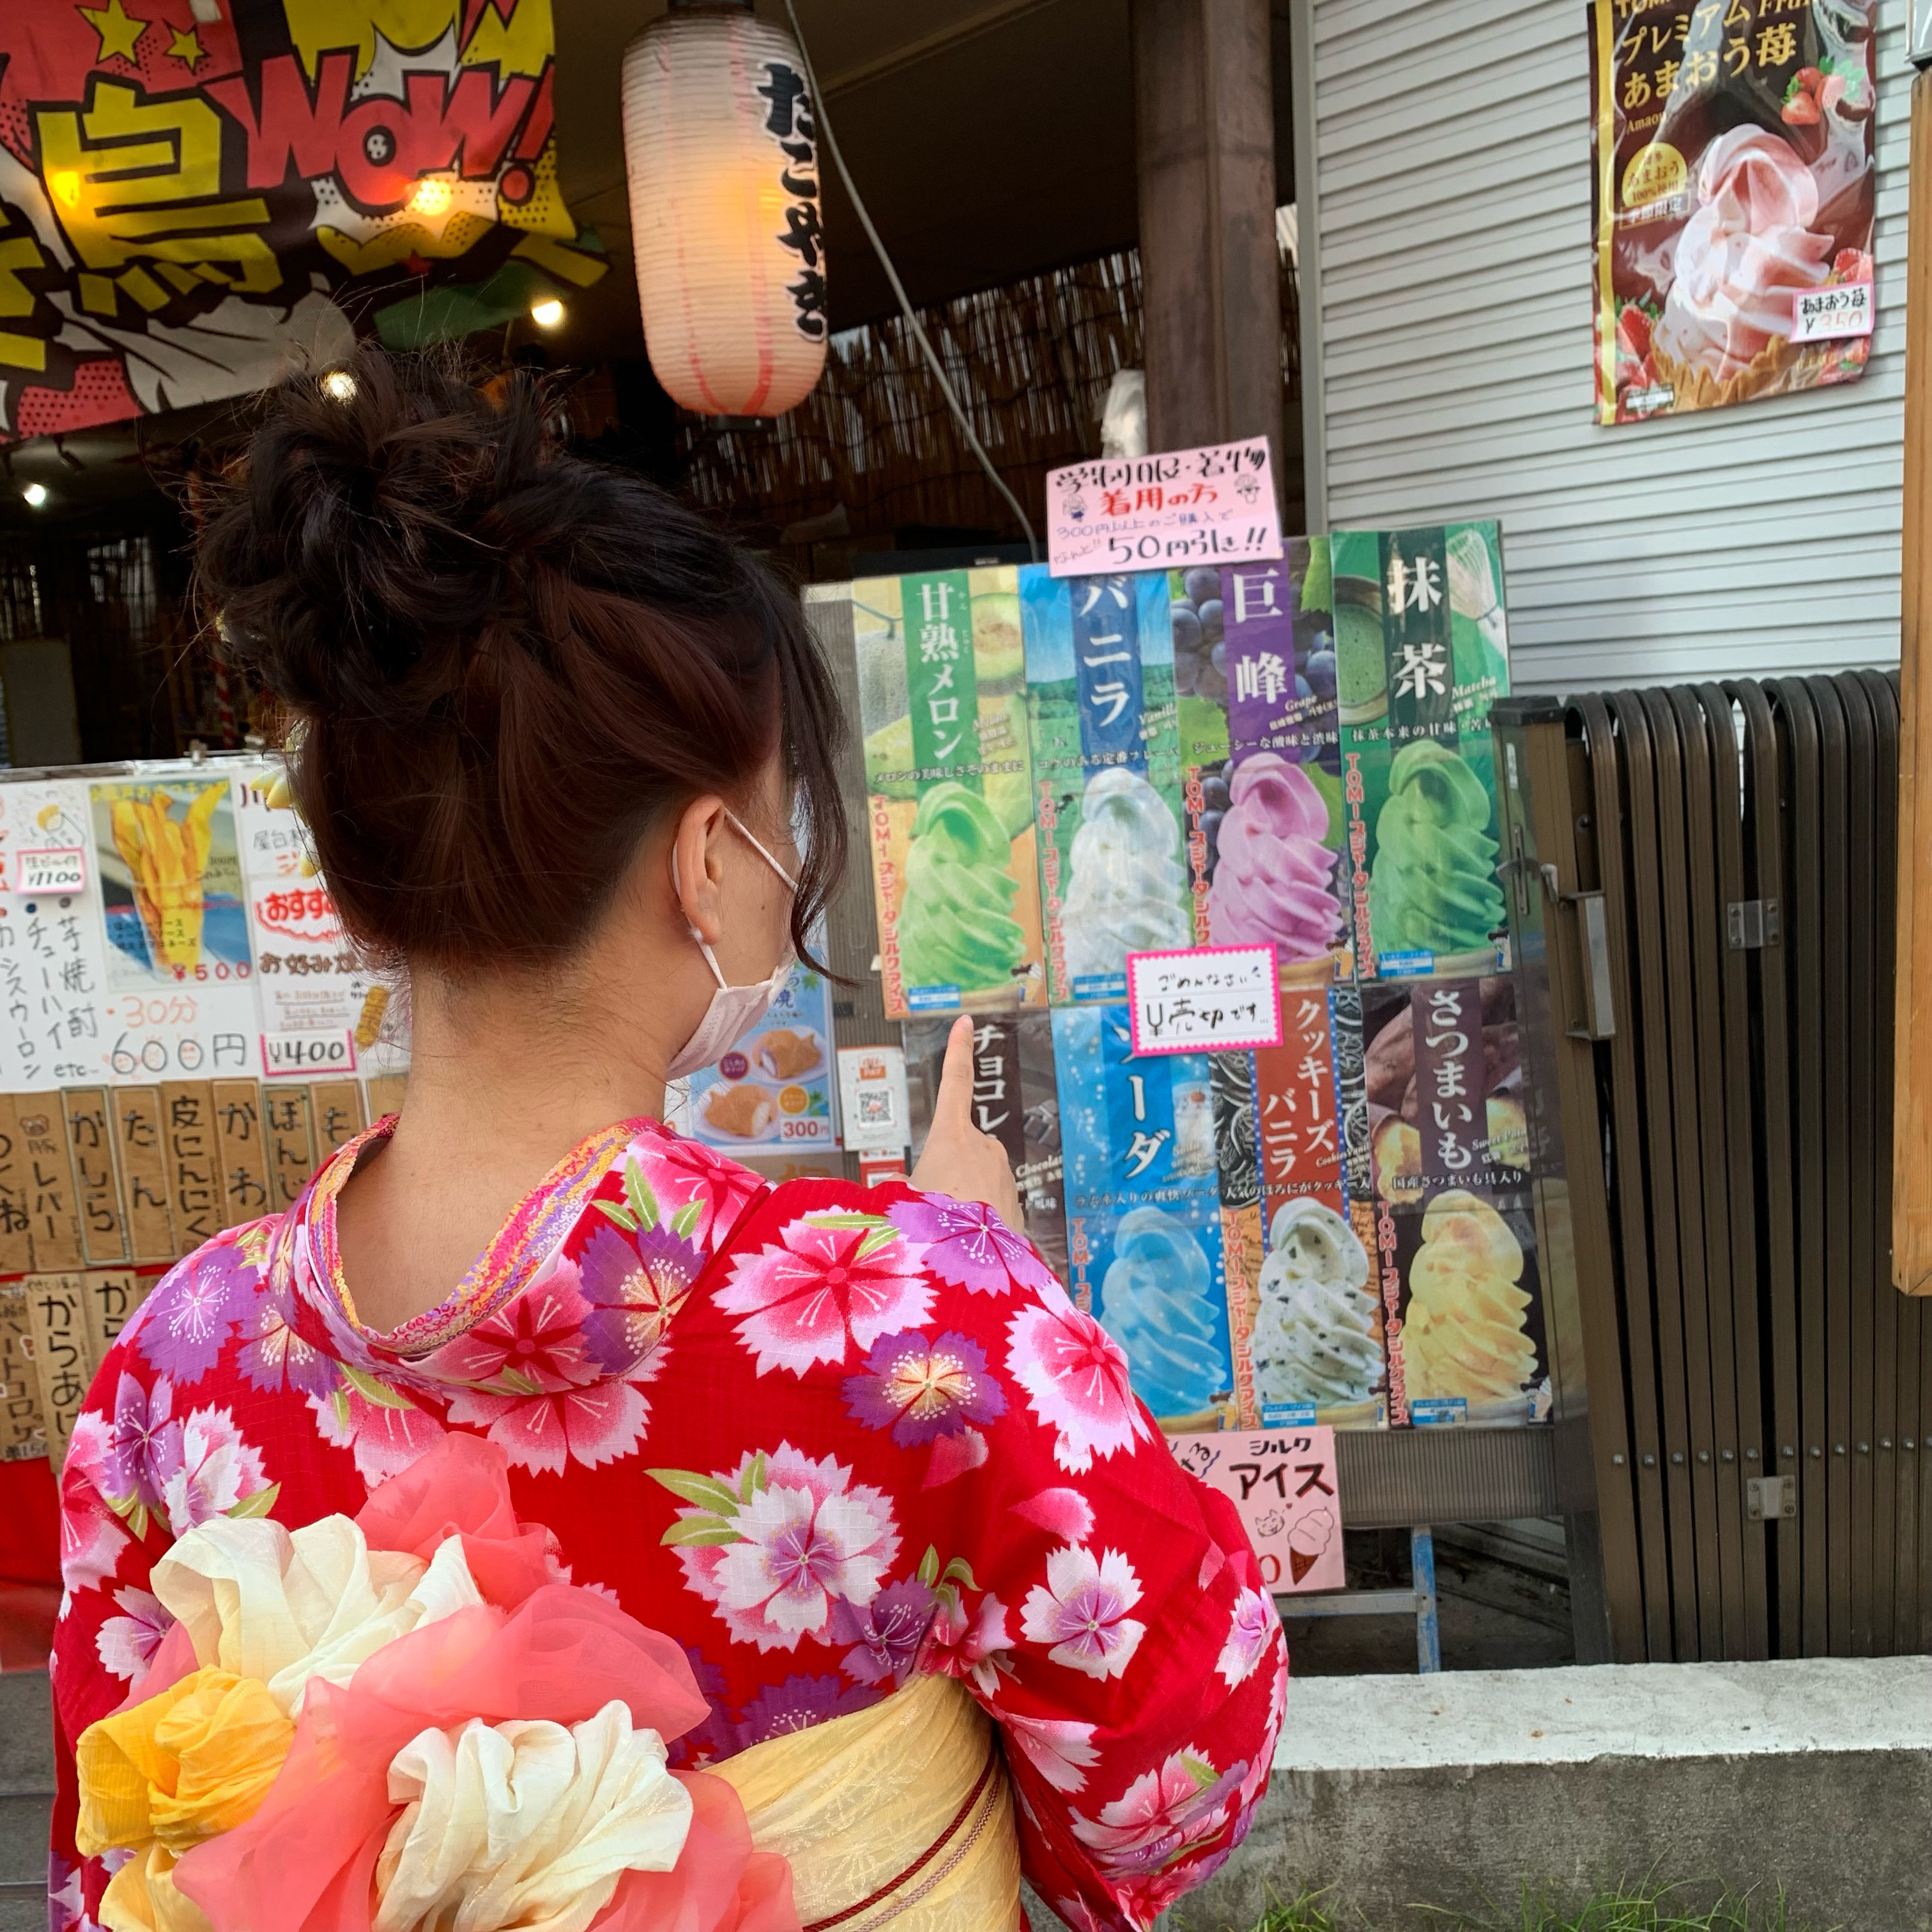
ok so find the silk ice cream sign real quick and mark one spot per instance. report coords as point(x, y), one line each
point(1734, 187)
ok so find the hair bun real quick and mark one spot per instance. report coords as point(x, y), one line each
point(510, 663)
point(369, 532)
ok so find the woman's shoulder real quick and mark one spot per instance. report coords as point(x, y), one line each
point(892, 1226)
point(200, 1308)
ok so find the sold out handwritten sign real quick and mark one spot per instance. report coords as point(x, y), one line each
point(1214, 505)
point(1207, 999)
point(1283, 1482)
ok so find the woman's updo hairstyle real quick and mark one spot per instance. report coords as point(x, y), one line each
point(505, 664)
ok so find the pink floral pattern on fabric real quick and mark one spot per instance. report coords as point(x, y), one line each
point(775, 1542)
point(827, 1438)
point(1081, 1611)
point(828, 1281)
point(1075, 1376)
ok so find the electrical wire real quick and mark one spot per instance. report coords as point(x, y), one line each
point(824, 127)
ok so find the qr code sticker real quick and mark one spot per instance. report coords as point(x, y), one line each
point(875, 1110)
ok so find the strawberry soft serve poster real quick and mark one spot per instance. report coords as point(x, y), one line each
point(1733, 187)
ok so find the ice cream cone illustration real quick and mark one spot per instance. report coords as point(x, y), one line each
point(1307, 1542)
point(167, 860)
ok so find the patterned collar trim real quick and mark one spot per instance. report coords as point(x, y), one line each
point(536, 1228)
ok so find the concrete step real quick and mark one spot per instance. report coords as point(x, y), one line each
point(1454, 1792)
point(26, 1799)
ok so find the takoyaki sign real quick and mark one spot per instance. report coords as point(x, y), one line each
point(1184, 506)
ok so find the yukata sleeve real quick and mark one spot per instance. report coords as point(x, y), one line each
point(1104, 1606)
point(113, 1529)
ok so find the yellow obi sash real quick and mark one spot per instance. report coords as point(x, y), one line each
point(899, 1815)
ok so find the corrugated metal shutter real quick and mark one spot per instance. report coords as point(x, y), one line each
point(1450, 144)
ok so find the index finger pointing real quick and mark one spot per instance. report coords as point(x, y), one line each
point(953, 1102)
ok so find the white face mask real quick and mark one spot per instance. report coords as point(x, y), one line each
point(733, 1010)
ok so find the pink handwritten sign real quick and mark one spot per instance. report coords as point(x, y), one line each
point(1282, 1481)
point(1204, 999)
point(1215, 504)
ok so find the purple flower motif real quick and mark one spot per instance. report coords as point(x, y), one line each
point(886, 1634)
point(797, 1705)
point(920, 1388)
point(967, 1244)
point(138, 1441)
point(275, 1356)
point(635, 1285)
point(191, 1315)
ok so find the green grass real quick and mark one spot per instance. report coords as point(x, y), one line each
point(1643, 1907)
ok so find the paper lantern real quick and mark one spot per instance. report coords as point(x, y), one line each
point(719, 147)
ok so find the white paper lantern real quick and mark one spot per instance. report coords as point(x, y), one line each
point(720, 149)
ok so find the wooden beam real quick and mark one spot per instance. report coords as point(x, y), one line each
point(1912, 1105)
point(1204, 106)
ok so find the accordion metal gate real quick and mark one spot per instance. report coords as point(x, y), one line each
point(1702, 904)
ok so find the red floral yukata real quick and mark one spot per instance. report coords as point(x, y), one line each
point(826, 1436)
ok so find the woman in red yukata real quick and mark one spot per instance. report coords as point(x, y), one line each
point(547, 1521)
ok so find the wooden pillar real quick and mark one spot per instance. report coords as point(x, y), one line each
point(1204, 106)
point(1912, 1105)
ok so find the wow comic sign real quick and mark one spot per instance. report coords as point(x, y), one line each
point(192, 197)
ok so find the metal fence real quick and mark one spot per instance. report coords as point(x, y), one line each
point(1702, 903)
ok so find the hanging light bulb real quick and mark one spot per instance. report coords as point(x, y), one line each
point(722, 159)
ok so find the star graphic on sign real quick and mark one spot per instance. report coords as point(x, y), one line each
point(186, 48)
point(119, 30)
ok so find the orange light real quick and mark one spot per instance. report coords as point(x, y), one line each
point(546, 312)
point(431, 197)
point(65, 183)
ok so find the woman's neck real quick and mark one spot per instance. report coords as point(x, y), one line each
point(504, 1079)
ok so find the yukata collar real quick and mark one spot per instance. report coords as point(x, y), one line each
point(536, 1228)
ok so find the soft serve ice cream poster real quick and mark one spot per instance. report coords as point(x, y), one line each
point(942, 702)
point(1455, 1236)
point(1314, 1341)
point(1422, 653)
point(1144, 1212)
point(1106, 763)
point(1271, 822)
point(1734, 186)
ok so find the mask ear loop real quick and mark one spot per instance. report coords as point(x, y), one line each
point(704, 944)
point(757, 845)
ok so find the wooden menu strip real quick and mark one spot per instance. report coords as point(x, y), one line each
point(243, 1160)
point(23, 1427)
point(55, 1220)
point(108, 1296)
point(16, 1250)
point(57, 1323)
point(191, 1145)
point(141, 1148)
point(336, 1112)
point(90, 1147)
point(288, 1127)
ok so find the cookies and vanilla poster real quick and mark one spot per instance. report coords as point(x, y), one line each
point(1733, 189)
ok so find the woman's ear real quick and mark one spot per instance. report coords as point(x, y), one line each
point(695, 870)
